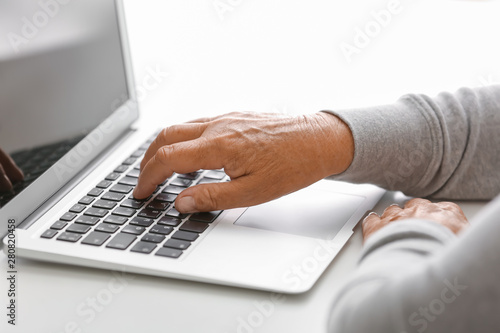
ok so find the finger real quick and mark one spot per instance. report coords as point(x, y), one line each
point(202, 120)
point(416, 202)
point(370, 224)
point(391, 210)
point(5, 183)
point(370, 218)
point(240, 192)
point(235, 114)
point(13, 172)
point(171, 135)
point(182, 157)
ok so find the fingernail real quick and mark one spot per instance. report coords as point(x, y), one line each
point(367, 216)
point(186, 204)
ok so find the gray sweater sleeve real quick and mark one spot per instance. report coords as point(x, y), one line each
point(415, 275)
point(446, 147)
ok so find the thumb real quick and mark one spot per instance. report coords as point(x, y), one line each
point(216, 196)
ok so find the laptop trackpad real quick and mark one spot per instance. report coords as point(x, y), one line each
point(308, 212)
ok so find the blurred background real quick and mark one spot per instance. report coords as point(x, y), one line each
point(287, 56)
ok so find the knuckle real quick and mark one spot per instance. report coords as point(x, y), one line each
point(163, 155)
point(209, 195)
point(169, 131)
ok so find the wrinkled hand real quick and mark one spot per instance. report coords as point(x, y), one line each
point(265, 155)
point(447, 214)
point(9, 172)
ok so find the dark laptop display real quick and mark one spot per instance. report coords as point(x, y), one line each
point(61, 74)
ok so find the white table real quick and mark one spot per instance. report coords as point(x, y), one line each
point(281, 56)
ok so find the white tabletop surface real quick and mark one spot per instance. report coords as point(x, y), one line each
point(268, 56)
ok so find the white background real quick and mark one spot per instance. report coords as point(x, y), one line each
point(281, 56)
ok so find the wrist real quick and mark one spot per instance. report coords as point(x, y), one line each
point(337, 143)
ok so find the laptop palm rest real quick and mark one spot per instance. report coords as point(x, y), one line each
point(309, 212)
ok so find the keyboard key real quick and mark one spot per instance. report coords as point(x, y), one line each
point(128, 181)
point(121, 168)
point(132, 203)
point(108, 228)
point(190, 176)
point(141, 221)
point(98, 212)
point(96, 238)
point(129, 161)
point(133, 229)
point(173, 189)
point(115, 219)
point(153, 238)
point(167, 197)
point(177, 244)
point(49, 233)
point(193, 226)
point(113, 176)
point(67, 217)
point(185, 235)
point(122, 211)
point(113, 196)
point(158, 205)
point(138, 153)
point(104, 184)
point(182, 182)
point(121, 241)
point(208, 181)
point(59, 225)
point(171, 221)
point(95, 192)
point(134, 173)
point(77, 208)
point(106, 204)
point(168, 252)
point(161, 229)
point(143, 247)
point(121, 188)
point(215, 174)
point(145, 199)
point(86, 200)
point(175, 213)
point(88, 220)
point(69, 237)
point(206, 217)
point(78, 228)
point(149, 213)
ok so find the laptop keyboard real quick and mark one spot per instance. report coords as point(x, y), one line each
point(109, 215)
point(34, 162)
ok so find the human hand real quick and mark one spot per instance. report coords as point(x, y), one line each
point(9, 172)
point(265, 155)
point(447, 214)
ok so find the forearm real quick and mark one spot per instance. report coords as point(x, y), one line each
point(446, 147)
point(373, 298)
point(415, 277)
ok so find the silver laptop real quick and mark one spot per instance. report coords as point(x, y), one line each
point(67, 117)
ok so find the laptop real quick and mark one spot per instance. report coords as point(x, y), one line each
point(68, 118)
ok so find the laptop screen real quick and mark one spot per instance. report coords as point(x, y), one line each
point(62, 73)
